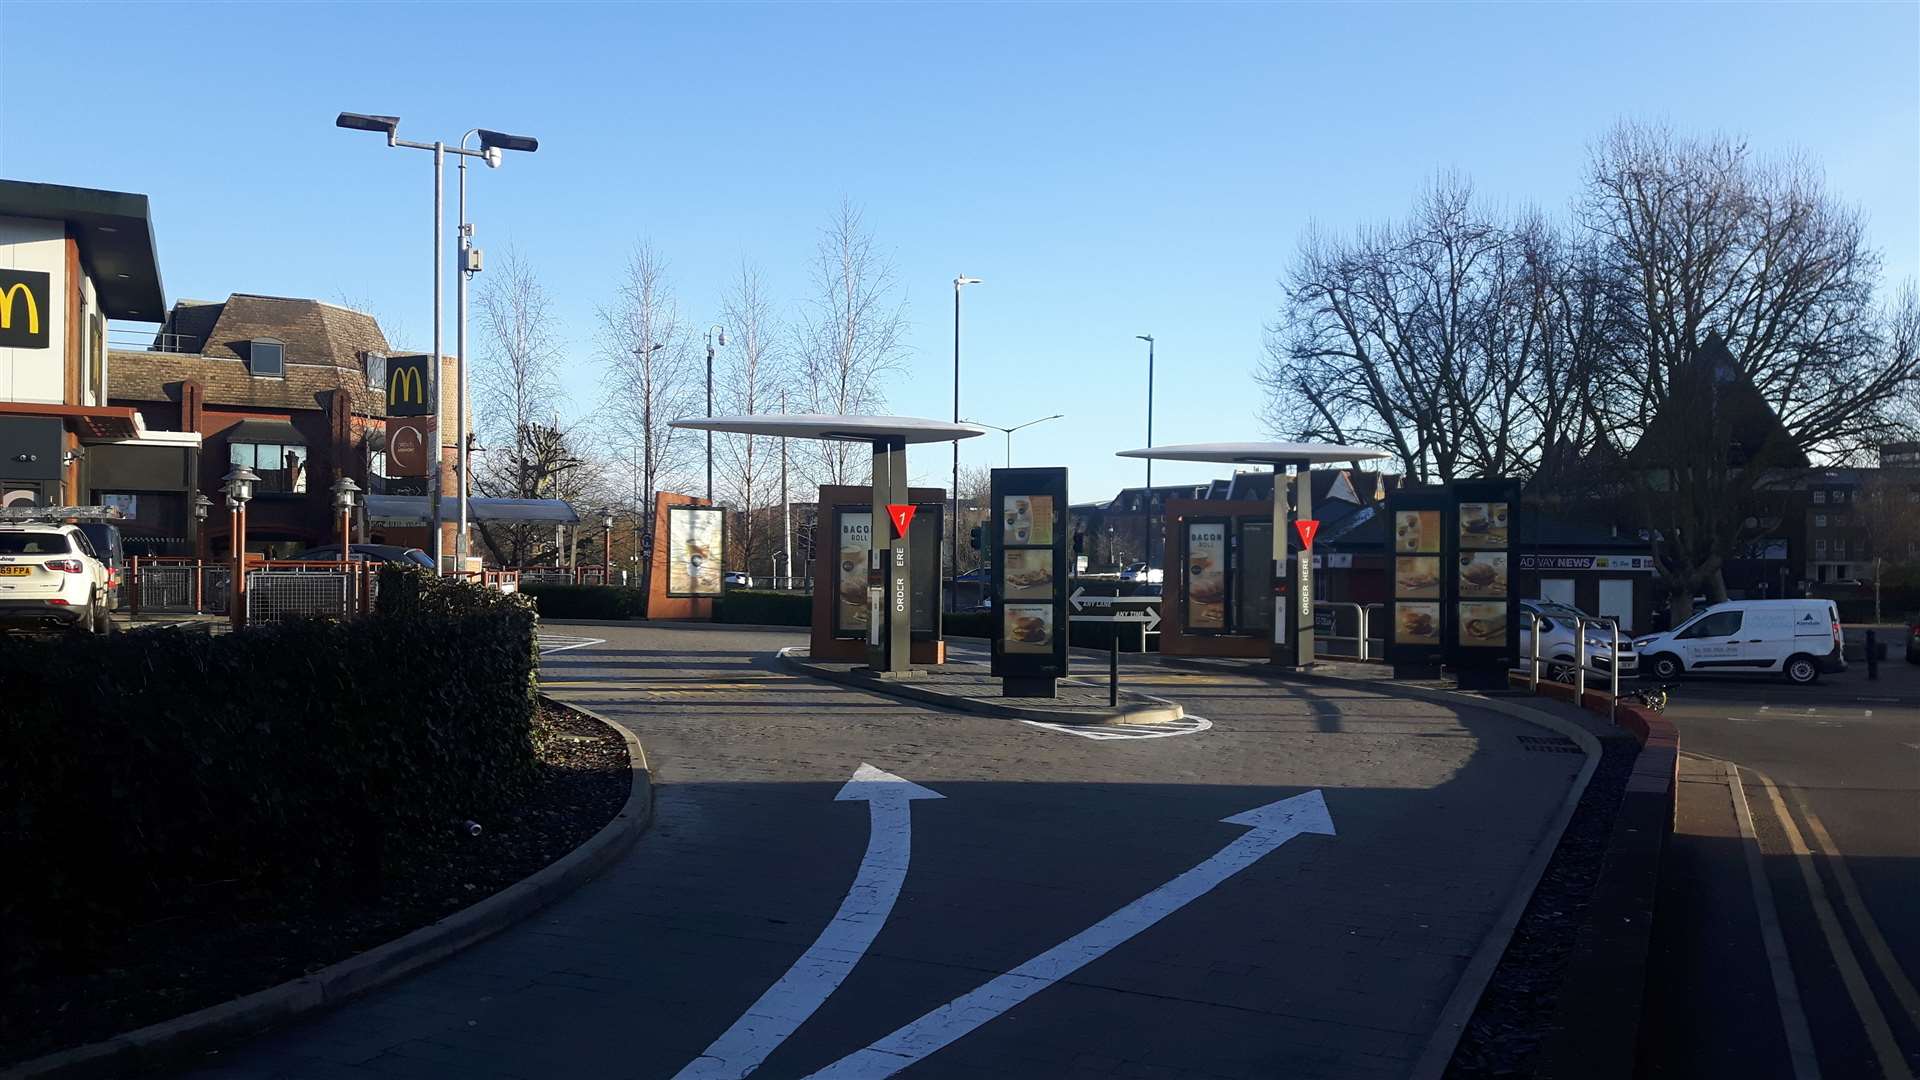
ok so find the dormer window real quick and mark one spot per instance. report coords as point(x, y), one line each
point(267, 358)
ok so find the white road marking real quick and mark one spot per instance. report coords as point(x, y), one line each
point(561, 643)
point(1190, 725)
point(1890, 969)
point(820, 970)
point(1271, 826)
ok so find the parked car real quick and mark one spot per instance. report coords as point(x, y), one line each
point(736, 579)
point(1557, 651)
point(1796, 638)
point(51, 577)
point(105, 539)
point(378, 553)
point(1140, 573)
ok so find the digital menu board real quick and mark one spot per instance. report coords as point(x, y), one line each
point(1029, 569)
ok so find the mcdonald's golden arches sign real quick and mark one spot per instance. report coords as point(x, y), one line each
point(409, 386)
point(25, 296)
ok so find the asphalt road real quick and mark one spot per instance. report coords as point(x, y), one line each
point(1019, 903)
point(1830, 778)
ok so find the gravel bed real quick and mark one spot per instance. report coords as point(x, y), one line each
point(1517, 1009)
point(214, 953)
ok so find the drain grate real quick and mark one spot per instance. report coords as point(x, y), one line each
point(1548, 744)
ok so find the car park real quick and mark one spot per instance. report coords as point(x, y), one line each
point(1799, 639)
point(1558, 653)
point(50, 577)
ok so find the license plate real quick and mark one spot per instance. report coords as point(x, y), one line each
point(13, 571)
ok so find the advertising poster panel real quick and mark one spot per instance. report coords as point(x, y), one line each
point(1206, 570)
point(852, 609)
point(696, 536)
point(1484, 640)
point(1029, 568)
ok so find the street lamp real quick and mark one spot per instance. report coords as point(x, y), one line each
point(1010, 431)
point(344, 489)
point(959, 283)
point(723, 344)
point(238, 484)
point(644, 543)
point(606, 556)
point(491, 144)
point(1148, 516)
point(201, 504)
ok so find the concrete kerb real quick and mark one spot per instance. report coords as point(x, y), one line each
point(171, 1041)
point(1150, 710)
point(1458, 1010)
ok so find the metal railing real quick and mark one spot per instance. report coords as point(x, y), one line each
point(280, 594)
point(1350, 645)
point(127, 339)
point(1582, 650)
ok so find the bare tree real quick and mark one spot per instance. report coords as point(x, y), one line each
point(750, 382)
point(395, 330)
point(850, 336)
point(1700, 240)
point(1887, 510)
point(517, 398)
point(649, 379)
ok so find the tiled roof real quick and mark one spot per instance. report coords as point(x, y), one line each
point(314, 332)
point(148, 376)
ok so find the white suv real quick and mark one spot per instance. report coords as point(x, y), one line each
point(50, 576)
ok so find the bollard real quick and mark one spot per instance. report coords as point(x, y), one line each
point(1613, 672)
point(1580, 662)
point(1873, 655)
point(1533, 665)
point(1113, 671)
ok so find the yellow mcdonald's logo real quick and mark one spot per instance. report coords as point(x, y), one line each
point(7, 296)
point(405, 384)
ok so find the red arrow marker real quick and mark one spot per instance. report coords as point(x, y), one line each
point(902, 516)
point(1308, 529)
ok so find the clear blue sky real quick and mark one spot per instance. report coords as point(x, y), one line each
point(1110, 170)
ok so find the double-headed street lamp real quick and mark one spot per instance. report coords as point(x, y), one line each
point(959, 283)
point(1009, 431)
point(711, 330)
point(1148, 516)
point(491, 145)
point(344, 490)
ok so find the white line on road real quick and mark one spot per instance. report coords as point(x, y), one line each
point(1869, 930)
point(1272, 825)
point(1189, 725)
point(788, 1003)
point(1786, 991)
point(559, 643)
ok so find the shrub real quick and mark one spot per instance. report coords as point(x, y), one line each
point(162, 769)
point(765, 607)
point(586, 601)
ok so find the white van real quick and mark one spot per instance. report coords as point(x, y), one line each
point(1797, 638)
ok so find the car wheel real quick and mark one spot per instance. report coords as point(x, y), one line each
point(1665, 667)
point(1801, 670)
point(1561, 671)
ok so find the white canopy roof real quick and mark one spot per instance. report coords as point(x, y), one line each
point(417, 509)
point(909, 429)
point(1256, 453)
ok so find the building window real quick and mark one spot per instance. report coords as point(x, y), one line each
point(1819, 521)
point(1819, 547)
point(267, 359)
point(1820, 497)
point(282, 467)
point(1839, 549)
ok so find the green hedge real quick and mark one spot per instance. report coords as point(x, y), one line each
point(586, 601)
point(163, 769)
point(765, 607)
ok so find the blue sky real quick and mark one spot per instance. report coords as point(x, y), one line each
point(1110, 170)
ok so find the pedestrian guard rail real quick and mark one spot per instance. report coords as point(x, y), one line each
point(1586, 658)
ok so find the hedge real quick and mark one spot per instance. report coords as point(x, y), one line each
point(164, 769)
point(765, 607)
point(586, 601)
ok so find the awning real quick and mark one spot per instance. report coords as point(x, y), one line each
point(279, 432)
point(404, 510)
point(89, 422)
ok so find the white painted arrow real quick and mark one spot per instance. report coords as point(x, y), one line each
point(1150, 617)
point(1272, 825)
point(788, 1003)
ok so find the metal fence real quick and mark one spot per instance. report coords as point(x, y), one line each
point(1348, 630)
point(279, 594)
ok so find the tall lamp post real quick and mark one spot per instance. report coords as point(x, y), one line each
point(958, 283)
point(723, 344)
point(1009, 432)
point(491, 144)
point(239, 483)
point(1147, 517)
point(201, 505)
point(606, 553)
point(344, 489)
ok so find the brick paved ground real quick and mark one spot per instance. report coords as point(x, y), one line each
point(1329, 957)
